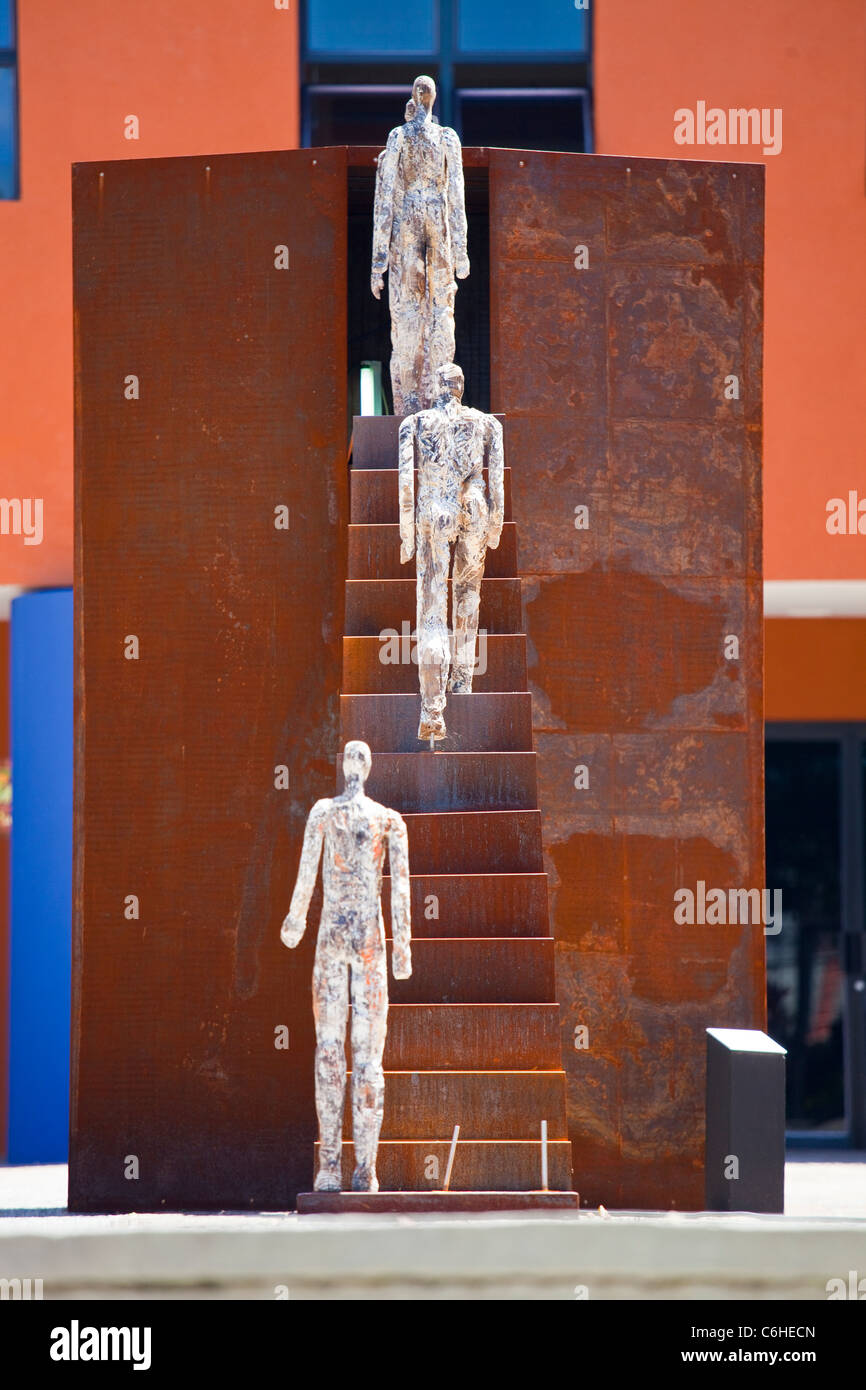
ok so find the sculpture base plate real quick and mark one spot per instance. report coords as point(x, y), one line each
point(320, 1203)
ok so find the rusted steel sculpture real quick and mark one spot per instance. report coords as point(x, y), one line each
point(450, 445)
point(355, 832)
point(419, 237)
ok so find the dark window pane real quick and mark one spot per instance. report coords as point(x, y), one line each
point(541, 119)
point(388, 26)
point(804, 969)
point(544, 26)
point(7, 24)
point(354, 116)
point(8, 135)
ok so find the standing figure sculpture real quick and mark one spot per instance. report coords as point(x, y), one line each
point(355, 832)
point(419, 237)
point(449, 445)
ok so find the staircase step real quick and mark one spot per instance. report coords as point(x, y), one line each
point(475, 842)
point(476, 905)
point(477, 723)
point(485, 1104)
point(473, 970)
point(374, 440)
point(463, 1037)
point(375, 604)
point(501, 665)
point(425, 781)
point(373, 495)
point(483, 1165)
point(374, 553)
point(431, 1203)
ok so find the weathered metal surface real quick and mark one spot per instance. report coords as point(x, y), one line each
point(374, 605)
point(367, 671)
point(455, 781)
point(499, 904)
point(483, 722)
point(468, 1037)
point(611, 362)
point(481, 1165)
point(490, 1104)
point(470, 970)
point(240, 409)
point(475, 842)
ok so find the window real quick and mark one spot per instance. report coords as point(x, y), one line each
point(8, 102)
point(816, 855)
point(545, 26)
point(345, 26)
point(510, 76)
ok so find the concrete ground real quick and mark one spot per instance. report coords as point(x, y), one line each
point(620, 1255)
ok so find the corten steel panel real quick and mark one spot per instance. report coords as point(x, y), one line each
point(612, 378)
point(242, 371)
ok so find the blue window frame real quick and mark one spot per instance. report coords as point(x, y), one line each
point(347, 28)
point(8, 102)
point(533, 60)
point(545, 26)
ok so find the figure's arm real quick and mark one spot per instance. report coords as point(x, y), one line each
point(406, 488)
point(401, 916)
point(383, 208)
point(295, 921)
point(496, 482)
point(456, 203)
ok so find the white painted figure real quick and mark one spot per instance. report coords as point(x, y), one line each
point(355, 832)
point(419, 237)
point(449, 445)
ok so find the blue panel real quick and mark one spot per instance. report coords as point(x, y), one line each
point(7, 24)
point(544, 26)
point(382, 26)
point(41, 682)
point(8, 135)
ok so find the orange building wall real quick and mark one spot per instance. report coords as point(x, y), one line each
point(810, 60)
point(201, 76)
point(815, 668)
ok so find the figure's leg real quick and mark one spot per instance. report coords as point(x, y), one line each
point(330, 1007)
point(407, 294)
point(369, 1024)
point(442, 288)
point(469, 556)
point(432, 556)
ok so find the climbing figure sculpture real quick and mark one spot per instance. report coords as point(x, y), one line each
point(351, 959)
point(449, 445)
point(419, 237)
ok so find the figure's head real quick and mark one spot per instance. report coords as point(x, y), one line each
point(357, 760)
point(424, 92)
point(451, 379)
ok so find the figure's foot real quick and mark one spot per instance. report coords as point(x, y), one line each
point(431, 726)
point(364, 1179)
point(460, 682)
point(328, 1178)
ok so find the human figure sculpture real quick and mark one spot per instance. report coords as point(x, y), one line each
point(355, 832)
point(419, 237)
point(450, 444)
